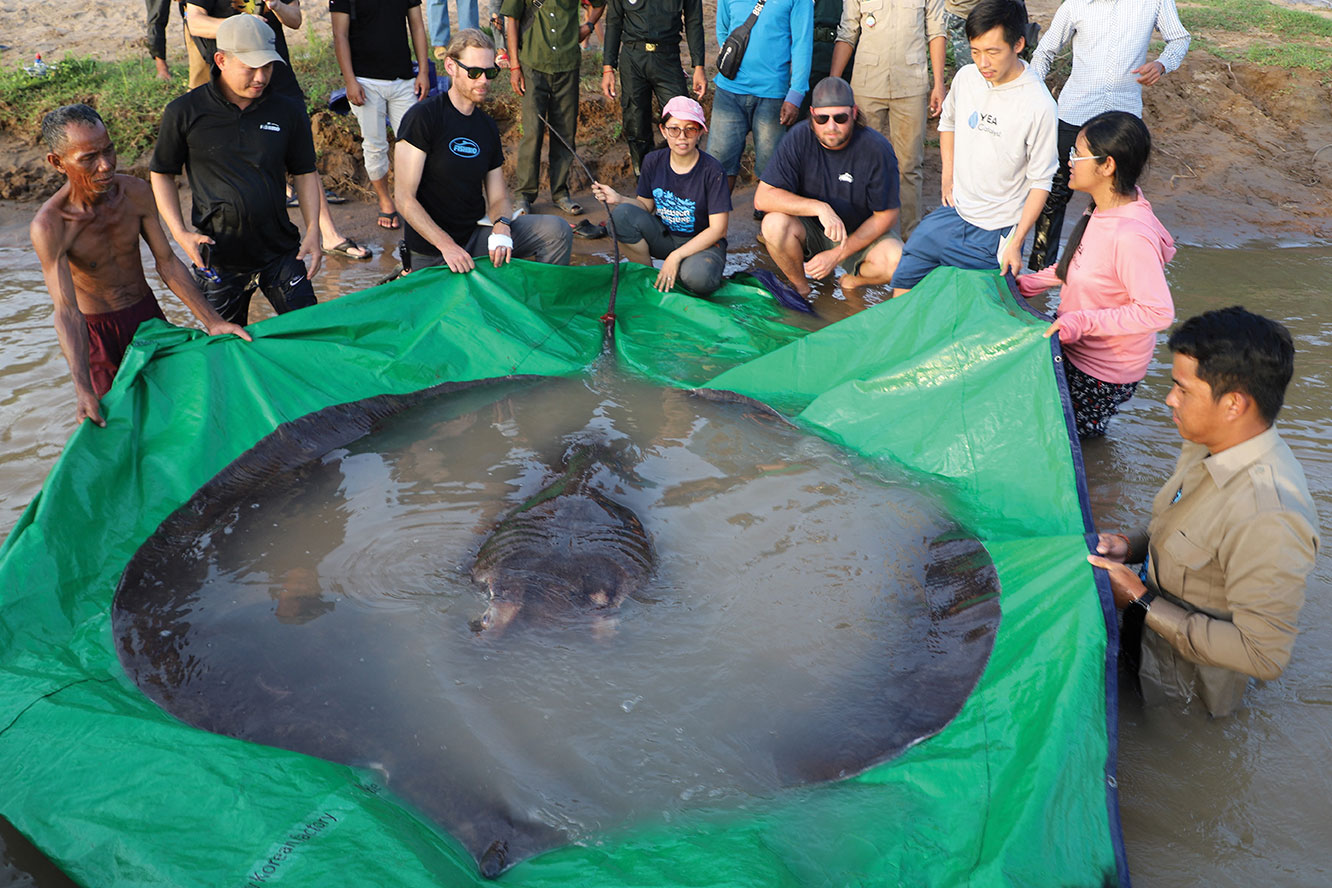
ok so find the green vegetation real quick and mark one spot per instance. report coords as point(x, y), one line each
point(1298, 39)
point(129, 96)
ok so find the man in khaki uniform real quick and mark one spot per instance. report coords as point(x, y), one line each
point(894, 85)
point(1233, 533)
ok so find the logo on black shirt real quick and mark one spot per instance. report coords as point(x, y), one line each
point(270, 126)
point(464, 147)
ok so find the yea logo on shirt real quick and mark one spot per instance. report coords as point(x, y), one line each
point(985, 123)
point(270, 126)
point(464, 147)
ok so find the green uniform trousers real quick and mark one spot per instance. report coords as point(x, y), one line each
point(555, 96)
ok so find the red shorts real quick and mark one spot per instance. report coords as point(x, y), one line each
point(109, 335)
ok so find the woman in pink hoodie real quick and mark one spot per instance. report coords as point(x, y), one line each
point(1115, 297)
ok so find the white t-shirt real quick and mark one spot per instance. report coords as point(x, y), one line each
point(1004, 144)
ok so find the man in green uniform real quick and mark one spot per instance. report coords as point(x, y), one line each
point(545, 47)
point(643, 41)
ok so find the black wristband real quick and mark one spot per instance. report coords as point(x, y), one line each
point(1144, 600)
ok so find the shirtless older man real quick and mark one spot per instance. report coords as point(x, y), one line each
point(87, 238)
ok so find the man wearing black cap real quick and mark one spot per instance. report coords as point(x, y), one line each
point(239, 142)
point(831, 196)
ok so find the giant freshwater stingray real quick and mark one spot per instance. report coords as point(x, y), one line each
point(559, 563)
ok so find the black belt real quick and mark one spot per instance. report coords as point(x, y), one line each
point(650, 47)
point(825, 35)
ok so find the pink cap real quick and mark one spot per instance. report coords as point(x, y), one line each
point(685, 108)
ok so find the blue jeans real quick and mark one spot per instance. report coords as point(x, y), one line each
point(437, 19)
point(735, 116)
point(945, 238)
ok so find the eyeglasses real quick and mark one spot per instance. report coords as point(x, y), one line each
point(676, 132)
point(474, 73)
point(1074, 158)
point(840, 117)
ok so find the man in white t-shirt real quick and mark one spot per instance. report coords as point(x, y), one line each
point(997, 141)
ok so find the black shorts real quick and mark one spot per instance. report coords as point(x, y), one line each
point(283, 282)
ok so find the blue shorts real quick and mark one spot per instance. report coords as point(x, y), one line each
point(945, 238)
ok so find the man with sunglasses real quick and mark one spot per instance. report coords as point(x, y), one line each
point(448, 150)
point(830, 195)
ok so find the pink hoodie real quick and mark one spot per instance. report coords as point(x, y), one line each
point(1116, 297)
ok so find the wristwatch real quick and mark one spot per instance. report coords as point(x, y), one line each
point(1144, 600)
point(506, 220)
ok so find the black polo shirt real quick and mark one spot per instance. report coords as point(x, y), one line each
point(460, 150)
point(378, 37)
point(654, 21)
point(237, 162)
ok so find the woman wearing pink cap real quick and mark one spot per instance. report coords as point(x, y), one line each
point(682, 208)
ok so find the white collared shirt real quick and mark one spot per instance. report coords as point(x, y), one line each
point(1110, 39)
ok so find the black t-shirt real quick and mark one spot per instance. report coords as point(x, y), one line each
point(684, 202)
point(284, 79)
point(237, 162)
point(460, 150)
point(856, 181)
point(378, 35)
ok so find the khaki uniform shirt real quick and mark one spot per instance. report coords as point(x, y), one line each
point(1231, 540)
point(892, 39)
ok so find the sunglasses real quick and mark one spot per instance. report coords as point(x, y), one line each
point(840, 117)
point(676, 132)
point(474, 73)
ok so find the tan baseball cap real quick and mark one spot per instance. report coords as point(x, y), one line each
point(249, 39)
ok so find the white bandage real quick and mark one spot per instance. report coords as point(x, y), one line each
point(497, 241)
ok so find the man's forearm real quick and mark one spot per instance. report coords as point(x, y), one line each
point(873, 228)
point(201, 23)
point(72, 333)
point(307, 192)
point(1031, 211)
point(770, 199)
point(168, 203)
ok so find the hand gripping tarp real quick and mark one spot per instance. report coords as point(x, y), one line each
point(954, 382)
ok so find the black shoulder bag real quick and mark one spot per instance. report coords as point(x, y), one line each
point(733, 50)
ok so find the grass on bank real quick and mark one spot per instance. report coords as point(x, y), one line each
point(1290, 30)
point(129, 96)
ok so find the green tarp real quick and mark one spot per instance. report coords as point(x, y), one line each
point(953, 381)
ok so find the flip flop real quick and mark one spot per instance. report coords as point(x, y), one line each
point(781, 291)
point(334, 198)
point(346, 248)
point(293, 200)
point(589, 230)
point(394, 221)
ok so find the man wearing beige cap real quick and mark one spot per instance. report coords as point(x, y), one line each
point(239, 141)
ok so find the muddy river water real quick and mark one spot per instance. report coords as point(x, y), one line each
point(1239, 801)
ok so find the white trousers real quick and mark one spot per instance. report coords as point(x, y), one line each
point(386, 101)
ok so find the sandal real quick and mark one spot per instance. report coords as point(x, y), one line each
point(566, 204)
point(391, 221)
point(347, 249)
point(334, 198)
point(589, 230)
